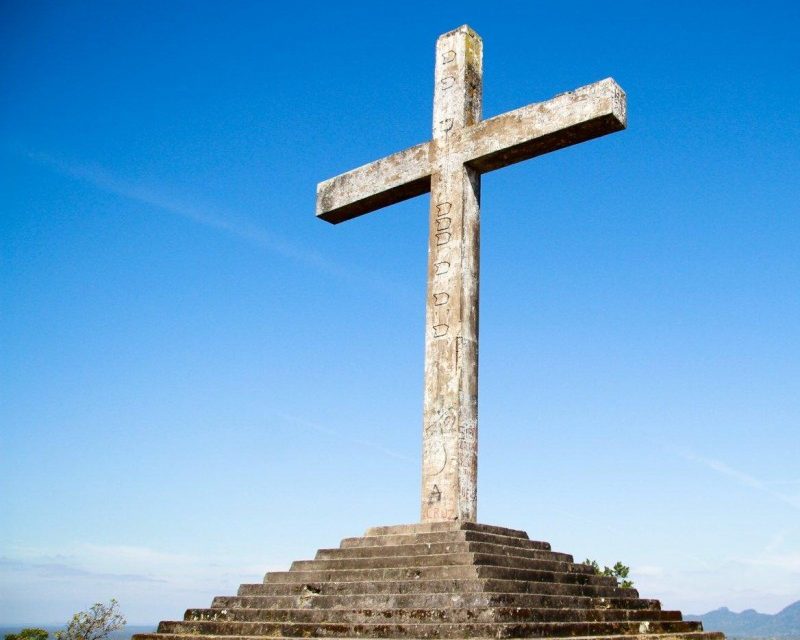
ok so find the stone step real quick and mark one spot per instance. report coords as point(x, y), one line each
point(386, 562)
point(536, 575)
point(444, 559)
point(436, 548)
point(438, 527)
point(424, 630)
point(427, 615)
point(463, 572)
point(691, 635)
point(421, 586)
point(443, 537)
point(381, 601)
point(438, 573)
point(435, 581)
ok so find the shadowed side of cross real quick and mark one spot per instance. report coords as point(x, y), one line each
point(449, 166)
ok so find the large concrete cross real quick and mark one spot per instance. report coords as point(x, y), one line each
point(450, 167)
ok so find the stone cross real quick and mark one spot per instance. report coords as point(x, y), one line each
point(450, 167)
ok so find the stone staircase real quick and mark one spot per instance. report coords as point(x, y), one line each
point(434, 580)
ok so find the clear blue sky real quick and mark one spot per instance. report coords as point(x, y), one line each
point(201, 381)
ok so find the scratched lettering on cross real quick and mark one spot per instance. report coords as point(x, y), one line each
point(449, 166)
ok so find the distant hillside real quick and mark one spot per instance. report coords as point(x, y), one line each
point(752, 624)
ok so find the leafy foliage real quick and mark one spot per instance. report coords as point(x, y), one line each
point(31, 633)
point(97, 623)
point(618, 571)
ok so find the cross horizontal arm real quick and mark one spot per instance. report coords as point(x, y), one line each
point(589, 112)
point(569, 118)
point(392, 179)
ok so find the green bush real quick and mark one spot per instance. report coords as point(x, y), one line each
point(31, 633)
point(618, 571)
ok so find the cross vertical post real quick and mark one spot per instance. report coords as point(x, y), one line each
point(449, 166)
point(450, 416)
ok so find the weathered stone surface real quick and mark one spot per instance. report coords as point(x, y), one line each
point(361, 633)
point(450, 412)
point(387, 181)
point(439, 527)
point(460, 592)
point(449, 536)
point(409, 615)
point(422, 630)
point(443, 547)
point(421, 586)
point(441, 559)
point(449, 166)
point(434, 600)
point(576, 116)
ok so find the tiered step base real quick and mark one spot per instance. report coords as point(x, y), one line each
point(436, 580)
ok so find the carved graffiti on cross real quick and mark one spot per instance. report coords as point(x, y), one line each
point(449, 167)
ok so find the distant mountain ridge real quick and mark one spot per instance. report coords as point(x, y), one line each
point(752, 624)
